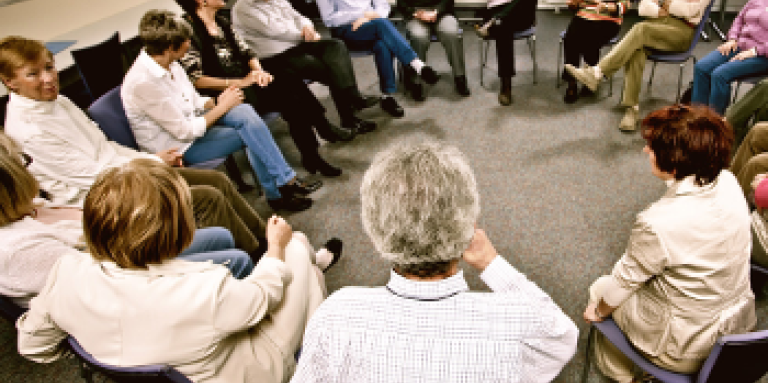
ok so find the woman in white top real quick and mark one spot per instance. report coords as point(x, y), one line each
point(683, 280)
point(166, 111)
point(35, 234)
point(132, 302)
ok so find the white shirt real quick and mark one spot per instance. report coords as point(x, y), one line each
point(163, 107)
point(438, 332)
point(68, 149)
point(269, 27)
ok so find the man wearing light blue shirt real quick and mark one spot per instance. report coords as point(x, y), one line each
point(363, 25)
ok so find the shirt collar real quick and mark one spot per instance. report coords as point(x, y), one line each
point(427, 290)
point(688, 185)
point(32, 105)
point(169, 267)
point(152, 66)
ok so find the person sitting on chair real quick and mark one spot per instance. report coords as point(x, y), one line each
point(165, 112)
point(70, 150)
point(744, 54)
point(683, 280)
point(35, 234)
point(752, 107)
point(425, 325)
point(501, 20)
point(669, 27)
point(217, 60)
point(285, 40)
point(133, 302)
point(424, 19)
point(363, 25)
point(593, 26)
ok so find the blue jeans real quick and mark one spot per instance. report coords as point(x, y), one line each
point(386, 42)
point(217, 245)
point(712, 77)
point(241, 126)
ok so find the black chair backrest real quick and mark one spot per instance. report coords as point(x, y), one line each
point(738, 359)
point(100, 66)
point(10, 310)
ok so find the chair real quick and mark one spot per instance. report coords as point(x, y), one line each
point(9, 310)
point(109, 114)
point(754, 79)
point(680, 58)
point(610, 43)
point(529, 35)
point(736, 358)
point(758, 276)
point(139, 374)
point(100, 66)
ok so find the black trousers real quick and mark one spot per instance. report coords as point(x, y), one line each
point(290, 96)
point(326, 61)
point(517, 15)
point(583, 40)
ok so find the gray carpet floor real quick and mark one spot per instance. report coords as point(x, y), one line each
point(560, 185)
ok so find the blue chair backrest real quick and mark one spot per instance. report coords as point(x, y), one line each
point(736, 358)
point(700, 27)
point(108, 112)
point(139, 374)
point(10, 310)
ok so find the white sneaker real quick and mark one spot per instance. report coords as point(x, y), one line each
point(587, 75)
point(629, 121)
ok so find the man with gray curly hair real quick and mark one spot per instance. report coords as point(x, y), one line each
point(420, 206)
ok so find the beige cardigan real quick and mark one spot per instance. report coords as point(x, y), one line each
point(684, 278)
point(193, 316)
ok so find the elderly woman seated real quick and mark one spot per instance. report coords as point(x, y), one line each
point(213, 327)
point(35, 235)
point(683, 280)
point(166, 112)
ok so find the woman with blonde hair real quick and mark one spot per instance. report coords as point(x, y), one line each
point(134, 290)
point(36, 233)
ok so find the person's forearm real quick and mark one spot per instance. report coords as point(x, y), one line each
point(214, 115)
point(216, 83)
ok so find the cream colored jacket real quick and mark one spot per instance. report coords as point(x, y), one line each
point(193, 316)
point(690, 10)
point(684, 278)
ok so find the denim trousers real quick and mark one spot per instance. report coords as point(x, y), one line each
point(239, 127)
point(713, 75)
point(386, 42)
point(217, 245)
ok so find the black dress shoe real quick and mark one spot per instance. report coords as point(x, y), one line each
point(365, 102)
point(290, 203)
point(333, 133)
point(429, 75)
point(416, 91)
point(586, 92)
point(461, 85)
point(300, 188)
point(334, 246)
point(389, 105)
point(571, 93)
point(318, 164)
point(359, 126)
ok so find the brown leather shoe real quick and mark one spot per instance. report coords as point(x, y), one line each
point(505, 96)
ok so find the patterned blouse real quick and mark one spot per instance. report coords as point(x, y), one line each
point(192, 62)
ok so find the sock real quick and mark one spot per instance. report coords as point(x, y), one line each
point(323, 258)
point(417, 65)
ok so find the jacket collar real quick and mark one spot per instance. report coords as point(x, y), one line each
point(687, 186)
point(427, 290)
point(153, 68)
point(171, 267)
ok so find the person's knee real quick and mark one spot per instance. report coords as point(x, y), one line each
point(221, 235)
point(721, 76)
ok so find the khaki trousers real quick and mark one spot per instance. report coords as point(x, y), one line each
point(751, 158)
point(217, 202)
point(281, 333)
point(612, 363)
point(664, 34)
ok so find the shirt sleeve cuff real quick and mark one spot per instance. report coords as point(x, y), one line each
point(270, 263)
point(199, 126)
point(615, 294)
point(500, 275)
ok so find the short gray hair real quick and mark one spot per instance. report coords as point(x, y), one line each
point(160, 30)
point(420, 203)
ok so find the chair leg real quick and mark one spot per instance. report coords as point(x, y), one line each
point(610, 87)
point(650, 80)
point(679, 83)
point(532, 46)
point(485, 45)
point(85, 372)
point(559, 73)
point(736, 92)
point(585, 371)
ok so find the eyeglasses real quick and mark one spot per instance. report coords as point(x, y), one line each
point(26, 159)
